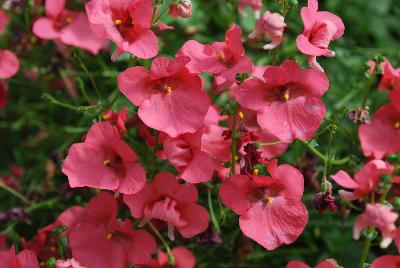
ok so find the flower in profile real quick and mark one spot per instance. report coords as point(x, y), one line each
point(320, 28)
point(3, 21)
point(185, 154)
point(225, 59)
point(287, 101)
point(390, 76)
point(183, 257)
point(99, 240)
point(382, 135)
point(117, 118)
point(364, 181)
point(270, 207)
point(24, 259)
point(166, 200)
point(181, 9)
point(387, 261)
point(328, 263)
point(165, 95)
point(9, 64)
point(254, 4)
point(104, 161)
point(127, 24)
point(72, 28)
point(379, 216)
point(271, 26)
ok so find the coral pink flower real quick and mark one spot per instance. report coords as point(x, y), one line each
point(387, 261)
point(328, 263)
point(183, 9)
point(117, 118)
point(185, 154)
point(184, 258)
point(390, 76)
point(3, 94)
point(382, 135)
point(102, 241)
point(270, 207)
point(320, 28)
point(378, 216)
point(70, 263)
point(225, 59)
point(364, 181)
point(166, 200)
point(9, 64)
point(254, 4)
point(165, 95)
point(72, 28)
point(104, 161)
point(24, 259)
point(3, 21)
point(271, 26)
point(288, 100)
point(126, 23)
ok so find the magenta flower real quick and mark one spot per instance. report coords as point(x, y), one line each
point(185, 154)
point(3, 21)
point(72, 28)
point(378, 216)
point(364, 181)
point(166, 200)
point(254, 4)
point(183, 9)
point(104, 161)
point(165, 95)
point(288, 100)
point(270, 207)
point(320, 28)
point(24, 259)
point(382, 135)
point(224, 59)
point(9, 64)
point(271, 26)
point(126, 23)
point(99, 240)
point(387, 261)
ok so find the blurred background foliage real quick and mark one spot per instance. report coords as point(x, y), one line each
point(35, 133)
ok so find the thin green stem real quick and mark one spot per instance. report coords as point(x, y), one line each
point(15, 193)
point(53, 100)
point(83, 66)
point(162, 12)
point(233, 145)
point(212, 213)
point(324, 158)
point(365, 251)
point(171, 259)
point(268, 143)
point(368, 90)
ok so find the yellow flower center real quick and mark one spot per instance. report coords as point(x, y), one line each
point(256, 171)
point(117, 22)
point(241, 115)
point(68, 20)
point(109, 236)
point(106, 162)
point(397, 125)
point(286, 96)
point(218, 56)
point(105, 116)
point(33, 40)
point(168, 89)
point(269, 200)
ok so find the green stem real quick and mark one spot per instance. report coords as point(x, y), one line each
point(53, 100)
point(365, 251)
point(233, 145)
point(268, 143)
point(324, 158)
point(83, 66)
point(171, 259)
point(212, 213)
point(162, 12)
point(367, 90)
point(15, 193)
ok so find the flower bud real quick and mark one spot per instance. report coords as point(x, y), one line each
point(181, 9)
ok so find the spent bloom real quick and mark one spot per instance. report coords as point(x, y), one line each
point(3, 94)
point(9, 64)
point(288, 100)
point(271, 26)
point(127, 24)
point(320, 28)
point(165, 95)
point(166, 200)
point(270, 207)
point(364, 181)
point(104, 161)
point(182, 9)
point(71, 28)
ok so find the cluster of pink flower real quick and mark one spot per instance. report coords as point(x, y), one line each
point(278, 104)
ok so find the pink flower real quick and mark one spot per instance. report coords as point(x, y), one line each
point(3, 94)
point(70, 263)
point(397, 239)
point(117, 118)
point(288, 100)
point(102, 241)
point(364, 181)
point(328, 263)
point(9, 64)
point(126, 23)
point(390, 77)
point(166, 200)
point(254, 4)
point(378, 216)
point(72, 28)
point(184, 258)
point(270, 207)
point(382, 135)
point(387, 261)
point(165, 95)
point(320, 28)
point(24, 259)
point(183, 9)
point(185, 154)
point(271, 26)
point(104, 161)
point(225, 59)
point(3, 21)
